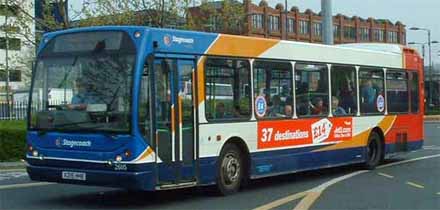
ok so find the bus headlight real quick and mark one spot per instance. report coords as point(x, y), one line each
point(137, 34)
point(35, 153)
point(127, 153)
point(118, 158)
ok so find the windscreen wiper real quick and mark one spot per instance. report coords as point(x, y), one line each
point(71, 124)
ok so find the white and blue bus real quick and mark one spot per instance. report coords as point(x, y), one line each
point(156, 109)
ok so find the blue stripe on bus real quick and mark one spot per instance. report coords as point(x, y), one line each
point(143, 176)
point(295, 160)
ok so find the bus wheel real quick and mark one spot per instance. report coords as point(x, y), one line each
point(230, 170)
point(374, 151)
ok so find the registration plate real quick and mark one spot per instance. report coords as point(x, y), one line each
point(74, 175)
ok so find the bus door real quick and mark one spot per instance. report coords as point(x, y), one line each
point(174, 124)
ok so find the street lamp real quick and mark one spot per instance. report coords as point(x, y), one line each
point(423, 46)
point(419, 43)
point(430, 59)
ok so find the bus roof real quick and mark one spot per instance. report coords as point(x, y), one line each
point(193, 42)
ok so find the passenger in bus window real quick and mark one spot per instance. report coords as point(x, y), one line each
point(275, 109)
point(336, 109)
point(368, 92)
point(220, 111)
point(347, 95)
point(317, 107)
point(237, 113)
point(288, 111)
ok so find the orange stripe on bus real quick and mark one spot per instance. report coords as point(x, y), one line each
point(147, 153)
point(230, 45)
point(361, 139)
point(201, 80)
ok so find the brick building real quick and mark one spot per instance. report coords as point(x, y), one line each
point(265, 21)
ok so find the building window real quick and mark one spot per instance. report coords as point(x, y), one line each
point(257, 21)
point(274, 23)
point(336, 31)
point(10, 10)
point(227, 89)
point(2, 75)
point(273, 81)
point(379, 35)
point(304, 27)
point(311, 89)
point(372, 95)
point(392, 37)
point(317, 29)
point(397, 91)
point(11, 28)
point(14, 43)
point(402, 38)
point(365, 34)
point(14, 75)
point(291, 25)
point(349, 32)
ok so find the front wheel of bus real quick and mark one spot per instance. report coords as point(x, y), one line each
point(374, 151)
point(229, 170)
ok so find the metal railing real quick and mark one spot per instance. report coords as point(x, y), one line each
point(19, 110)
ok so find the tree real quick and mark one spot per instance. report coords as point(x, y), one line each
point(233, 17)
point(53, 15)
point(156, 13)
point(227, 16)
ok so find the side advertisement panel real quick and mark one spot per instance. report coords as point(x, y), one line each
point(290, 133)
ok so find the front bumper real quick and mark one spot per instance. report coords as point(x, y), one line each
point(136, 180)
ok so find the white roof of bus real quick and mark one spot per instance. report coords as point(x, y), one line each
point(380, 47)
point(382, 55)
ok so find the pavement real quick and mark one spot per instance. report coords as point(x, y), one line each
point(432, 118)
point(407, 182)
point(12, 165)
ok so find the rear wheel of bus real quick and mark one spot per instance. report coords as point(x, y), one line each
point(229, 170)
point(374, 151)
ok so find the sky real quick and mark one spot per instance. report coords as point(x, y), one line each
point(412, 13)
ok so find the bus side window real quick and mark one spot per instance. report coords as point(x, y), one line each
point(311, 89)
point(273, 81)
point(414, 88)
point(226, 82)
point(344, 94)
point(371, 87)
point(397, 91)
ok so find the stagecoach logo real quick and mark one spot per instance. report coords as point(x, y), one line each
point(72, 143)
point(168, 40)
point(58, 142)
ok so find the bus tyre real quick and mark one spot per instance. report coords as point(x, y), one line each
point(374, 151)
point(229, 170)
